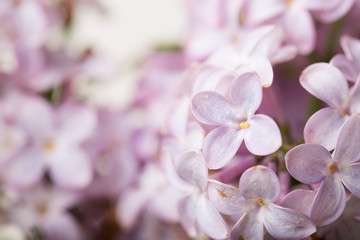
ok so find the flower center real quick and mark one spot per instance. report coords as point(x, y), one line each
point(244, 124)
point(48, 145)
point(260, 201)
point(288, 2)
point(331, 167)
point(41, 208)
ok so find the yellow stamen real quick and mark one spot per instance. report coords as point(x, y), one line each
point(41, 208)
point(266, 85)
point(288, 2)
point(221, 194)
point(331, 167)
point(260, 201)
point(49, 145)
point(244, 124)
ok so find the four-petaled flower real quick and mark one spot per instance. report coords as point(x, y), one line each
point(237, 122)
point(311, 164)
point(254, 201)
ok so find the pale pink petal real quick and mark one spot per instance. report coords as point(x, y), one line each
point(35, 115)
point(164, 204)
point(351, 47)
point(249, 226)
point(211, 221)
point(325, 82)
point(129, 206)
point(323, 127)
point(347, 146)
point(220, 145)
point(178, 117)
point(284, 54)
point(227, 199)
point(308, 163)
point(211, 108)
point(284, 223)
point(354, 98)
point(350, 176)
point(329, 202)
point(259, 182)
point(25, 169)
point(194, 135)
point(202, 43)
point(333, 14)
point(187, 214)
point(300, 200)
point(226, 57)
point(263, 136)
point(258, 11)
point(71, 168)
point(261, 65)
point(208, 78)
point(246, 94)
point(346, 66)
point(62, 226)
point(76, 123)
point(320, 5)
point(191, 168)
point(300, 29)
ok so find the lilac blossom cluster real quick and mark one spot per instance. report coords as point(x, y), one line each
point(210, 146)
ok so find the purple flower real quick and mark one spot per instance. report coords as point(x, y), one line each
point(237, 122)
point(54, 140)
point(311, 164)
point(259, 188)
point(195, 208)
point(327, 83)
point(348, 64)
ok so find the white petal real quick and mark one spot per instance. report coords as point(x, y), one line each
point(300, 29)
point(347, 147)
point(191, 167)
point(323, 127)
point(263, 136)
point(259, 182)
point(76, 123)
point(308, 163)
point(249, 226)
point(211, 221)
point(284, 223)
point(129, 207)
point(351, 48)
point(227, 199)
point(300, 200)
point(71, 169)
point(246, 94)
point(329, 201)
point(346, 66)
point(325, 82)
point(187, 213)
point(211, 108)
point(220, 145)
point(350, 176)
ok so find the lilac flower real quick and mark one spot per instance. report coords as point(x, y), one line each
point(311, 164)
point(254, 202)
point(54, 144)
point(327, 83)
point(195, 208)
point(348, 64)
point(46, 208)
point(237, 122)
point(153, 193)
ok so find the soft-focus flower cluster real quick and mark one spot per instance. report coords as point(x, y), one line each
point(220, 139)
